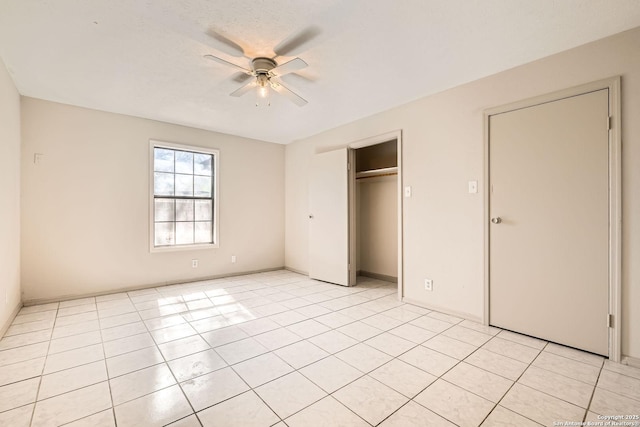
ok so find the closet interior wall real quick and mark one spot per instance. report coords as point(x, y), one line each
point(377, 211)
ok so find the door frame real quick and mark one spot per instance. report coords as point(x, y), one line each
point(366, 142)
point(615, 196)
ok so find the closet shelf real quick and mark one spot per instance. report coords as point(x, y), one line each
point(377, 172)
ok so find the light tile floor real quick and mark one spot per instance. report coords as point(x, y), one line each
point(279, 349)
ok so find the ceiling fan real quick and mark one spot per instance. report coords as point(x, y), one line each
point(264, 73)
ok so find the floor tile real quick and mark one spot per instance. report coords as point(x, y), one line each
point(502, 417)
point(128, 344)
point(75, 329)
point(262, 369)
point(431, 324)
point(72, 379)
point(101, 419)
point(173, 333)
point(301, 354)
point(308, 328)
point(330, 373)
point(478, 327)
point(14, 341)
point(605, 402)
point(72, 406)
point(21, 371)
point(34, 317)
point(402, 314)
point(627, 370)
point(183, 347)
point(288, 318)
point(414, 415)
point(18, 394)
point(363, 357)
point(246, 410)
point(332, 341)
point(519, 352)
point(78, 301)
point(391, 344)
point(123, 331)
point(20, 354)
point(29, 327)
point(469, 409)
point(239, 351)
point(258, 326)
point(327, 412)
point(196, 364)
point(77, 309)
point(123, 319)
point(449, 346)
point(522, 339)
point(133, 361)
point(565, 388)
point(620, 384)
point(277, 338)
point(429, 360)
point(567, 367)
point(18, 417)
point(190, 421)
point(539, 406)
point(212, 388)
point(370, 399)
point(577, 355)
point(156, 409)
point(497, 364)
point(483, 383)
point(412, 333)
point(334, 320)
point(209, 324)
point(39, 308)
point(402, 377)
point(382, 322)
point(224, 336)
point(289, 394)
point(76, 341)
point(136, 384)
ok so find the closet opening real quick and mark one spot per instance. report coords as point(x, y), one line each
point(376, 210)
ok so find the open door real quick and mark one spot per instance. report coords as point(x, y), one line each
point(329, 217)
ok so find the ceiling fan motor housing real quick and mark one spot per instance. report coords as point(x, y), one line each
point(263, 65)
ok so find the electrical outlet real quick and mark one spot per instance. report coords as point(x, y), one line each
point(233, 258)
point(194, 263)
point(428, 284)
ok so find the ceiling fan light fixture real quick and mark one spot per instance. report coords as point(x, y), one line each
point(262, 87)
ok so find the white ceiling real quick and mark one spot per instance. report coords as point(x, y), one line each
point(145, 57)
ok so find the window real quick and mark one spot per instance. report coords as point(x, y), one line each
point(183, 202)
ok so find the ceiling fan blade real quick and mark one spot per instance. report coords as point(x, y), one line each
point(240, 77)
point(225, 45)
point(289, 67)
point(244, 89)
point(293, 45)
point(225, 62)
point(289, 94)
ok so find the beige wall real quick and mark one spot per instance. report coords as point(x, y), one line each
point(443, 149)
point(9, 198)
point(85, 207)
point(377, 226)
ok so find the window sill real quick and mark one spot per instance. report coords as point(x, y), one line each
point(180, 248)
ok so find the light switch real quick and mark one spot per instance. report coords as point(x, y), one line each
point(473, 187)
point(407, 191)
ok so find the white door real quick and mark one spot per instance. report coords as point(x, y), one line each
point(548, 171)
point(329, 217)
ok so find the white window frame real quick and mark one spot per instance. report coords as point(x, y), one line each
point(215, 196)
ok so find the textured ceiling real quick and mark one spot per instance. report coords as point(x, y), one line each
point(145, 58)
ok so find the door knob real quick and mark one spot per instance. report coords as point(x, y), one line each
point(496, 220)
point(310, 216)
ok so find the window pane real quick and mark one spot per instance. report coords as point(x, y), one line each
point(184, 185)
point(163, 184)
point(184, 210)
point(184, 233)
point(203, 186)
point(203, 232)
point(202, 164)
point(164, 209)
point(184, 162)
point(203, 210)
point(162, 160)
point(164, 235)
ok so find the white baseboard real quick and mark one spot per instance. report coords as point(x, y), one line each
point(37, 301)
point(631, 361)
point(378, 276)
point(467, 316)
point(295, 270)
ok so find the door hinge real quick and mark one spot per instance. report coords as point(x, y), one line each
point(348, 166)
point(610, 320)
point(349, 267)
point(609, 122)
